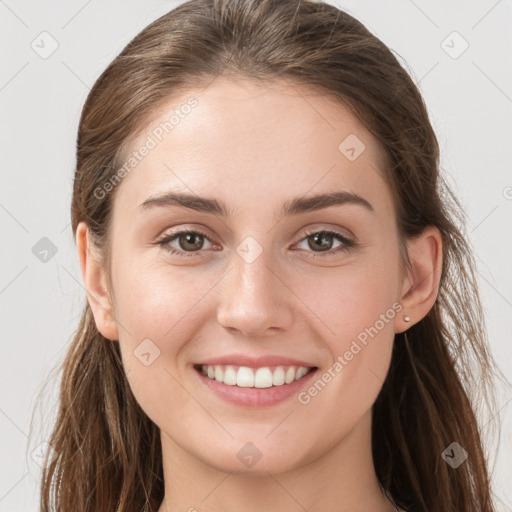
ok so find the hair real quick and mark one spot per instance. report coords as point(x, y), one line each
point(108, 452)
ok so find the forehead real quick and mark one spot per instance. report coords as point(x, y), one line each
point(245, 142)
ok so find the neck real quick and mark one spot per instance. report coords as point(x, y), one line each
point(343, 479)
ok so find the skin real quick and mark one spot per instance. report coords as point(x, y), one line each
point(243, 143)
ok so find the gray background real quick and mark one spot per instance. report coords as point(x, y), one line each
point(469, 97)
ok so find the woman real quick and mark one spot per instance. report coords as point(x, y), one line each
point(282, 312)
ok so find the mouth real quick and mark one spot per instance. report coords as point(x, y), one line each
point(254, 387)
point(248, 377)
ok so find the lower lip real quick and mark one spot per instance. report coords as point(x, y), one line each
point(255, 397)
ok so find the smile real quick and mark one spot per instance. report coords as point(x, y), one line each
point(254, 387)
point(246, 377)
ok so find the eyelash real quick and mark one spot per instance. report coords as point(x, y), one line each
point(349, 245)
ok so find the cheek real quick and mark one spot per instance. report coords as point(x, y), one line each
point(349, 299)
point(156, 300)
point(357, 307)
point(156, 308)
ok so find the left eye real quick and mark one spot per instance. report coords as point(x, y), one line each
point(322, 238)
point(191, 242)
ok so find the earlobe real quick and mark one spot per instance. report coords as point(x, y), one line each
point(421, 287)
point(95, 283)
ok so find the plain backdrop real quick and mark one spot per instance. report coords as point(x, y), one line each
point(460, 55)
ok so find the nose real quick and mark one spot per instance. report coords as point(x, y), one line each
point(257, 300)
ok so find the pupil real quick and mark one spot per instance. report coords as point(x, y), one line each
point(190, 236)
point(323, 237)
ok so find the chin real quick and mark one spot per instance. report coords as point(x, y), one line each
point(254, 458)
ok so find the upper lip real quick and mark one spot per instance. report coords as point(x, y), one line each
point(255, 362)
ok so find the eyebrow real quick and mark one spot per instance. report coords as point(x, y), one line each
point(291, 207)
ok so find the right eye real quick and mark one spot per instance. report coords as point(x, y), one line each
point(187, 239)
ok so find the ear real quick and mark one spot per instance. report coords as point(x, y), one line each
point(421, 285)
point(95, 282)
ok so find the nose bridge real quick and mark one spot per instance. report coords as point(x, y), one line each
point(254, 300)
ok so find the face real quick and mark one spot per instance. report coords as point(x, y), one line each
point(255, 275)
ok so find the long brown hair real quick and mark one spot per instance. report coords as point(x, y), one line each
point(108, 452)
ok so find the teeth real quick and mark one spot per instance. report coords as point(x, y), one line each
point(245, 377)
point(263, 378)
point(301, 372)
point(278, 377)
point(230, 376)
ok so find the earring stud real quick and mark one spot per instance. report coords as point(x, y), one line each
point(406, 318)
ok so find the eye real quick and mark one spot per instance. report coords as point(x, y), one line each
point(323, 240)
point(190, 242)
